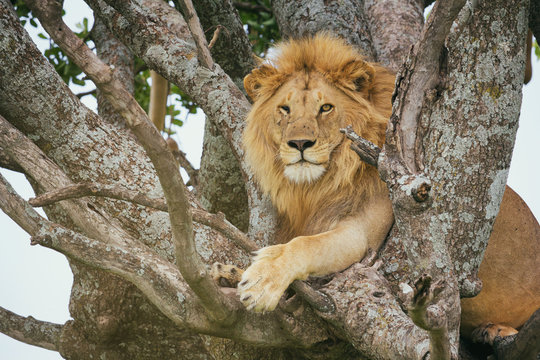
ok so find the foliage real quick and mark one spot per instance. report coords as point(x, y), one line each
point(260, 25)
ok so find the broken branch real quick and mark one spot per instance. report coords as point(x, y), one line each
point(421, 307)
point(367, 151)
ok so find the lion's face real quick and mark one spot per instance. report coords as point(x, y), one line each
point(307, 115)
point(301, 99)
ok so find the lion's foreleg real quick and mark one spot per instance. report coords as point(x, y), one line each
point(275, 267)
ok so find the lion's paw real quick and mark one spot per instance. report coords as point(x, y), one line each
point(265, 281)
point(226, 275)
point(486, 333)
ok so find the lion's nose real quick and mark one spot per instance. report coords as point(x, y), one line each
point(300, 145)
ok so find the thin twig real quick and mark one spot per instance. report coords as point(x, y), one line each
point(85, 93)
point(215, 36)
point(198, 35)
point(29, 330)
point(180, 156)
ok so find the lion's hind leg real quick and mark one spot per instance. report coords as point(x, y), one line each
point(226, 275)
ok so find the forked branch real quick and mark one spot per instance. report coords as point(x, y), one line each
point(191, 266)
point(216, 221)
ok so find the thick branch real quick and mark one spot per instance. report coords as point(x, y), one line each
point(232, 50)
point(394, 27)
point(191, 266)
point(419, 77)
point(29, 330)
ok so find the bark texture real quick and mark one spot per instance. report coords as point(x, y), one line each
point(130, 299)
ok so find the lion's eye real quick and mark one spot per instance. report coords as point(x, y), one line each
point(326, 108)
point(285, 109)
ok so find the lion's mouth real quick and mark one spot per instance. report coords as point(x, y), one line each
point(304, 171)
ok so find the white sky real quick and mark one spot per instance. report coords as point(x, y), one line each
point(37, 281)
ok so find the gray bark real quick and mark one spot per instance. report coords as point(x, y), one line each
point(466, 126)
point(346, 19)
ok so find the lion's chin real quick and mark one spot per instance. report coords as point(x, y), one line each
point(304, 172)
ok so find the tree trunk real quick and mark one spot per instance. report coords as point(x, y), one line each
point(452, 132)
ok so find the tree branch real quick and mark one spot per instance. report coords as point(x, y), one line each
point(367, 151)
point(172, 56)
point(216, 221)
point(198, 35)
point(420, 76)
point(180, 156)
point(420, 303)
point(29, 330)
point(394, 27)
point(159, 280)
point(192, 268)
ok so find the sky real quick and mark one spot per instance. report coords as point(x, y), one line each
point(37, 281)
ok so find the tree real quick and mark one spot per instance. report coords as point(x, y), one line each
point(141, 285)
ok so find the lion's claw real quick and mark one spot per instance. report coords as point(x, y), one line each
point(265, 281)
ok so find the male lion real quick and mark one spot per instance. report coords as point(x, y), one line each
point(333, 206)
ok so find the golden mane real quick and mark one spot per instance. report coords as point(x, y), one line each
point(365, 88)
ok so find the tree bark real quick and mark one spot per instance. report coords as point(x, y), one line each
point(129, 298)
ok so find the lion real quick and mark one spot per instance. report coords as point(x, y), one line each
point(332, 207)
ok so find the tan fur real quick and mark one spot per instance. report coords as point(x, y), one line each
point(326, 217)
point(334, 218)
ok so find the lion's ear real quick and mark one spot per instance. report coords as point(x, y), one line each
point(357, 75)
point(259, 79)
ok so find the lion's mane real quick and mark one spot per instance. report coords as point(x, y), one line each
point(366, 87)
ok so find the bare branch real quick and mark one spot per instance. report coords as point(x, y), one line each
point(191, 266)
point(215, 221)
point(159, 280)
point(198, 35)
point(180, 156)
point(215, 36)
point(85, 93)
point(29, 330)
